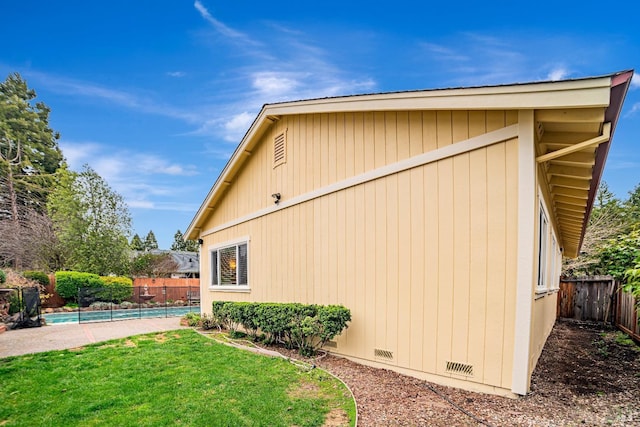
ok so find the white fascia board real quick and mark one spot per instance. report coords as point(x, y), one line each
point(566, 94)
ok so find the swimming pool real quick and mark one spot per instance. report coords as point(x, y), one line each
point(108, 315)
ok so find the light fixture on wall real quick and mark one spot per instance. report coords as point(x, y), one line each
point(277, 197)
point(200, 241)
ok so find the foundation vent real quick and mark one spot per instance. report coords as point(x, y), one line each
point(383, 354)
point(460, 368)
point(280, 149)
point(331, 344)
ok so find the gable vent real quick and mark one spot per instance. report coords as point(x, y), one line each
point(383, 354)
point(460, 368)
point(280, 149)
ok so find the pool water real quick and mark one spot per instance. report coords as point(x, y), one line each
point(108, 315)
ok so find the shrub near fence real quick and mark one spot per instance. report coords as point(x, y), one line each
point(68, 283)
point(305, 327)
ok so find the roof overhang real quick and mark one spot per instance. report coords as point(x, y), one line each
point(572, 150)
point(572, 107)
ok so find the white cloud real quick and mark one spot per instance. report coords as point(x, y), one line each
point(176, 73)
point(138, 177)
point(558, 73)
point(635, 81)
point(237, 126)
point(635, 108)
point(221, 27)
point(92, 91)
point(274, 85)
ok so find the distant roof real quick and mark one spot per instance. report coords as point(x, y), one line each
point(188, 262)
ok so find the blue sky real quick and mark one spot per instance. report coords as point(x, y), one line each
point(156, 94)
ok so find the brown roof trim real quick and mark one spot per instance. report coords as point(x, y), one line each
point(620, 83)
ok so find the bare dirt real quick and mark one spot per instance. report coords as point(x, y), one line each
point(584, 378)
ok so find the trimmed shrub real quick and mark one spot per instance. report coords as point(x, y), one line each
point(274, 321)
point(208, 322)
point(68, 282)
point(3, 277)
point(301, 326)
point(37, 276)
point(219, 314)
point(312, 332)
point(118, 288)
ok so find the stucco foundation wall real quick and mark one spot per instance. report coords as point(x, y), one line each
point(425, 259)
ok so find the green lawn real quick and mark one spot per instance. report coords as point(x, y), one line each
point(171, 378)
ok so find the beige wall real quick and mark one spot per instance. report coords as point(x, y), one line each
point(325, 148)
point(425, 258)
point(544, 308)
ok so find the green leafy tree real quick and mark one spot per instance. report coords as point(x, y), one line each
point(92, 222)
point(29, 157)
point(153, 265)
point(619, 255)
point(150, 241)
point(136, 243)
point(608, 220)
point(179, 244)
point(632, 282)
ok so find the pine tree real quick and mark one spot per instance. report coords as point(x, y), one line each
point(29, 158)
point(150, 241)
point(179, 244)
point(136, 243)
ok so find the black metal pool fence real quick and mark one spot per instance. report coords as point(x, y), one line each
point(103, 304)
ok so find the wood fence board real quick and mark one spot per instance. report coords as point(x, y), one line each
point(599, 299)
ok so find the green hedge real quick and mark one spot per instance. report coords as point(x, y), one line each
point(68, 282)
point(3, 277)
point(118, 288)
point(36, 276)
point(302, 326)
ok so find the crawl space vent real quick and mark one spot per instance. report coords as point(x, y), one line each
point(331, 344)
point(280, 149)
point(383, 354)
point(459, 368)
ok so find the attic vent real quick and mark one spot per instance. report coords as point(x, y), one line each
point(460, 368)
point(383, 354)
point(331, 344)
point(280, 149)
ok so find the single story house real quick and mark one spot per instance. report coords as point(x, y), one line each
point(439, 217)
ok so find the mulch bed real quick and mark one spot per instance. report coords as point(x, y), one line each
point(583, 377)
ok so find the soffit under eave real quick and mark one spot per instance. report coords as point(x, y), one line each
point(572, 157)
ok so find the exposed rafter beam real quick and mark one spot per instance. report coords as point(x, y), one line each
point(578, 184)
point(606, 135)
point(570, 171)
point(570, 200)
point(572, 192)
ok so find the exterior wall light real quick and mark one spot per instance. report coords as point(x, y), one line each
point(277, 197)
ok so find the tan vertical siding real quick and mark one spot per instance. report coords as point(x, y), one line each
point(422, 257)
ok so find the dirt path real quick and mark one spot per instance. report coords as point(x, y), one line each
point(584, 377)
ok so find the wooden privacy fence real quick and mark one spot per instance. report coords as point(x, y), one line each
point(586, 298)
point(627, 315)
point(600, 299)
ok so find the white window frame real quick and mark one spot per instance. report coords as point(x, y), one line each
point(543, 243)
point(215, 250)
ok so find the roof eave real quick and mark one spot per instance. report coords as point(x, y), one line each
point(620, 83)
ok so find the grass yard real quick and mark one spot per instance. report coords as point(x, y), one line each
point(171, 378)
